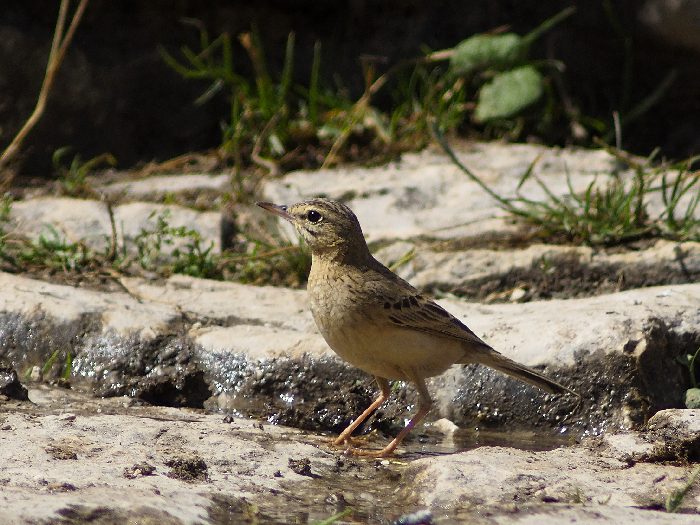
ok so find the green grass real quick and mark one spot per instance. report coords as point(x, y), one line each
point(66, 365)
point(488, 81)
point(269, 116)
point(270, 261)
point(159, 248)
point(611, 211)
point(164, 248)
point(675, 497)
point(53, 251)
point(72, 178)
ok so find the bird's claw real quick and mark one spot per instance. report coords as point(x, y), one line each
point(366, 452)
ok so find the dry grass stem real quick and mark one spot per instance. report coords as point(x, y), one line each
point(59, 47)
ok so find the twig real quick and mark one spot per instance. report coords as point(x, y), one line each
point(112, 254)
point(618, 130)
point(59, 46)
point(619, 154)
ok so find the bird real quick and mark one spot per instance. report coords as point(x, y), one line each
point(378, 322)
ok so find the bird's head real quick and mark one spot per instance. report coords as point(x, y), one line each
point(328, 227)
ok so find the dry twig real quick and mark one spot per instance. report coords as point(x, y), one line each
point(59, 46)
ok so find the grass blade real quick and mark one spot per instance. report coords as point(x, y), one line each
point(49, 363)
point(314, 84)
point(440, 138)
point(675, 498)
point(287, 70)
point(528, 172)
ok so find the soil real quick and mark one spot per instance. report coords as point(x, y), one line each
point(571, 279)
point(187, 468)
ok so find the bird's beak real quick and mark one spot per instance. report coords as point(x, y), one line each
point(276, 209)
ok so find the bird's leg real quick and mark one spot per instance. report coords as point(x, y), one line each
point(383, 396)
point(424, 406)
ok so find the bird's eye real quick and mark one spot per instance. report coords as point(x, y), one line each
point(313, 216)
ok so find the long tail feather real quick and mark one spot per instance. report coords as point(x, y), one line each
point(525, 374)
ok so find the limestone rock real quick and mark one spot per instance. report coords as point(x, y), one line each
point(157, 187)
point(676, 433)
point(424, 194)
point(539, 270)
point(74, 457)
point(512, 479)
point(259, 343)
point(78, 220)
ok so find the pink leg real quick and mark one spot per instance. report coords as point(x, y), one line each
point(383, 396)
point(424, 407)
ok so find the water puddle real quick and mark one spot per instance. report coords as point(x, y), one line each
point(370, 490)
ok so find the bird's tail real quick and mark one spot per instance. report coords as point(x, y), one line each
point(525, 374)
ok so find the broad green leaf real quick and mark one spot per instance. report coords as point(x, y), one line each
point(487, 51)
point(508, 93)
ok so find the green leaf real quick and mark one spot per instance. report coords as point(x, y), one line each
point(487, 51)
point(507, 94)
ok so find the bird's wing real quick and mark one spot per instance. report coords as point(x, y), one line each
point(413, 311)
point(402, 305)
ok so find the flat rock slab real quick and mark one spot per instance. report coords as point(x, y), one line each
point(425, 195)
point(169, 466)
point(119, 315)
point(87, 221)
point(255, 349)
point(68, 459)
point(623, 353)
point(576, 484)
point(160, 186)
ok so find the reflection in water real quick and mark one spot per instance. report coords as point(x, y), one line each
point(431, 442)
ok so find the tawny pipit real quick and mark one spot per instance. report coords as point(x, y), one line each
point(377, 321)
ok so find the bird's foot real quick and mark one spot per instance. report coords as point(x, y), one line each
point(356, 441)
point(369, 453)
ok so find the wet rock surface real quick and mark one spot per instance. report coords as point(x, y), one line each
point(553, 485)
point(192, 342)
point(10, 386)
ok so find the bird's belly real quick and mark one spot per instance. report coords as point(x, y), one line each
point(394, 353)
